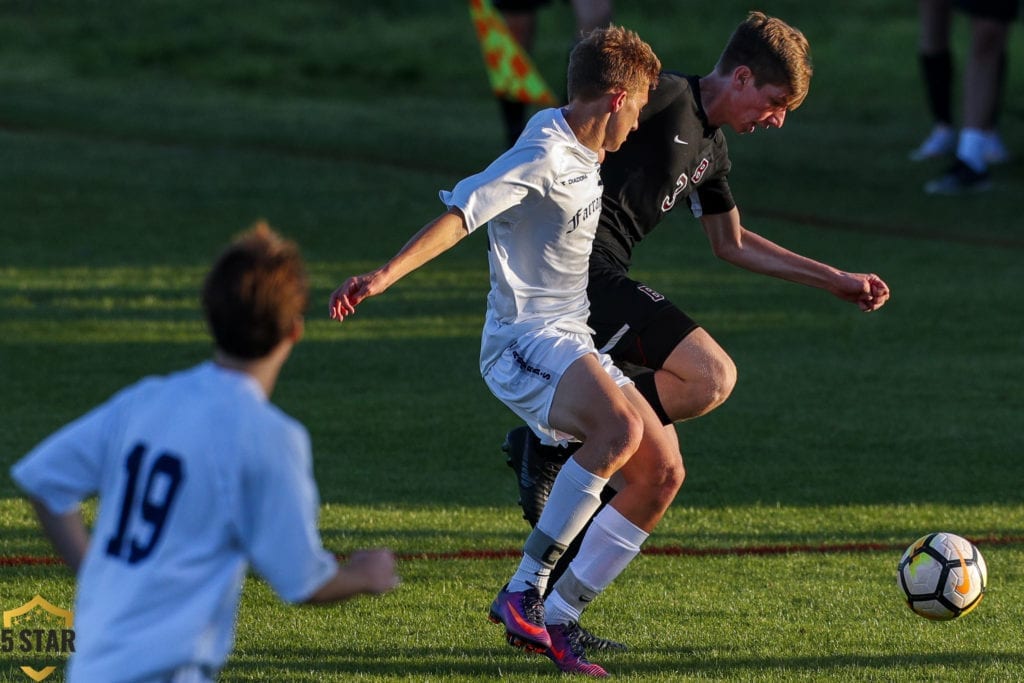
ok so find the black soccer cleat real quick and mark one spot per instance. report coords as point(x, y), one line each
point(589, 641)
point(536, 467)
point(569, 654)
point(959, 179)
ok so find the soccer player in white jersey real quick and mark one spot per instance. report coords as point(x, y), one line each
point(541, 200)
point(199, 476)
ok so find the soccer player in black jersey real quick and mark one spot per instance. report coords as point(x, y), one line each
point(679, 156)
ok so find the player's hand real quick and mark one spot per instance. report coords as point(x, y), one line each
point(376, 569)
point(875, 295)
point(345, 298)
point(867, 290)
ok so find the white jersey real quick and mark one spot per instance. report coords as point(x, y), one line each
point(541, 200)
point(199, 475)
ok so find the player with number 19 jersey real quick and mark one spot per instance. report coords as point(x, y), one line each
point(201, 477)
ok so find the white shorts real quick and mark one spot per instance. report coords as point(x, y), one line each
point(527, 373)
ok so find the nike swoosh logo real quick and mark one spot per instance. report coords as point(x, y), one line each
point(964, 587)
point(681, 142)
point(523, 624)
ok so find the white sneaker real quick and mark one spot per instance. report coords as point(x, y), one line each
point(995, 150)
point(941, 142)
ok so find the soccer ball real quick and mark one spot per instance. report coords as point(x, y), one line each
point(942, 576)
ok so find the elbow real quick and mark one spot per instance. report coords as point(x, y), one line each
point(726, 251)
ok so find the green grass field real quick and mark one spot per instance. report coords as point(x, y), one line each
point(137, 138)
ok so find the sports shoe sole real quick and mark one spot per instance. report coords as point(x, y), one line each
point(518, 641)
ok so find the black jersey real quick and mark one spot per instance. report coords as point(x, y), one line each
point(673, 154)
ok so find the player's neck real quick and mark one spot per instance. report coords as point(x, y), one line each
point(586, 123)
point(264, 370)
point(713, 95)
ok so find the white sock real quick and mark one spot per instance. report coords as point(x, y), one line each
point(971, 148)
point(574, 497)
point(611, 543)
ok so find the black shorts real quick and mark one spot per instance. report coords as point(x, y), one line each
point(632, 322)
point(1003, 11)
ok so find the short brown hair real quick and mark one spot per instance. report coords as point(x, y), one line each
point(611, 58)
point(255, 293)
point(775, 52)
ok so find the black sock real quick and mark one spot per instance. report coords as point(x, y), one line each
point(937, 69)
point(513, 115)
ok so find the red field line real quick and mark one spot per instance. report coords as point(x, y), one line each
point(759, 550)
point(27, 560)
point(665, 551)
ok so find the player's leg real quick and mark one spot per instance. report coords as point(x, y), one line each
point(651, 471)
point(641, 329)
point(588, 404)
point(990, 27)
point(651, 477)
point(591, 14)
point(537, 466)
point(936, 65)
point(696, 377)
point(982, 85)
point(698, 373)
point(996, 151)
point(582, 400)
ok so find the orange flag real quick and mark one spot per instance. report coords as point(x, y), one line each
point(512, 73)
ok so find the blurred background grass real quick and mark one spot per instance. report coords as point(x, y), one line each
point(139, 137)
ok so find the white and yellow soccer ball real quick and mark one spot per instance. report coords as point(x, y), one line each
point(943, 576)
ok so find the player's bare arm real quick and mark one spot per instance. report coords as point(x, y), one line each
point(367, 572)
point(67, 532)
point(435, 238)
point(731, 242)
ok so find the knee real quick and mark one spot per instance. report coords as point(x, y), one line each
point(723, 380)
point(665, 482)
point(717, 383)
point(672, 478)
point(619, 436)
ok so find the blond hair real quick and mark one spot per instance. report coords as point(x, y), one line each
point(775, 52)
point(608, 59)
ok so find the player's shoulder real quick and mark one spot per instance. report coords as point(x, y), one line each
point(672, 99)
point(674, 84)
point(192, 385)
point(142, 391)
point(546, 135)
point(276, 431)
point(548, 149)
point(284, 424)
point(232, 393)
